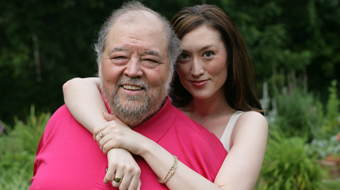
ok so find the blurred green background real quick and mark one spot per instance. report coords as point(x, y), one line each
point(294, 45)
point(45, 43)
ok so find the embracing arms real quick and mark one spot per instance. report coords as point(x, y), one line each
point(240, 169)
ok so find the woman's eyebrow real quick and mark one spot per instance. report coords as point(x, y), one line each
point(206, 47)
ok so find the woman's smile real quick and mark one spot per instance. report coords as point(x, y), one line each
point(199, 83)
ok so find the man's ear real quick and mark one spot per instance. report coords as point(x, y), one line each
point(171, 77)
point(99, 69)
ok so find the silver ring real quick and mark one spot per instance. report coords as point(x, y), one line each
point(100, 134)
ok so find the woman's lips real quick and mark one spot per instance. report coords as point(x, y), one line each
point(199, 83)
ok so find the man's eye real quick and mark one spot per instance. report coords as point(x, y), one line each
point(208, 54)
point(119, 60)
point(151, 60)
point(119, 57)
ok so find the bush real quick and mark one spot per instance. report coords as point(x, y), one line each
point(328, 122)
point(18, 149)
point(288, 166)
point(295, 112)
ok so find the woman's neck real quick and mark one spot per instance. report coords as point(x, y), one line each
point(203, 109)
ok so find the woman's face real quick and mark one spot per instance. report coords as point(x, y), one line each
point(202, 66)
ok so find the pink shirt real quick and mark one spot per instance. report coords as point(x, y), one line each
point(69, 158)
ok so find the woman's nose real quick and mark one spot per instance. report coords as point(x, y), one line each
point(197, 68)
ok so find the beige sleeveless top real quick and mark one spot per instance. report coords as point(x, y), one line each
point(226, 136)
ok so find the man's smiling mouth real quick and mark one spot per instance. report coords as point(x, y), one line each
point(129, 87)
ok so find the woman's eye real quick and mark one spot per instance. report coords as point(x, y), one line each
point(183, 56)
point(208, 54)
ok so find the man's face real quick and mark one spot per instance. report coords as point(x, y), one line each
point(135, 68)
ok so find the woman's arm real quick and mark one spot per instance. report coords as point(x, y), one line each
point(117, 134)
point(242, 166)
point(83, 99)
point(240, 169)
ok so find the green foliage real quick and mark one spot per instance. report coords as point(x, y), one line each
point(333, 103)
point(17, 150)
point(332, 184)
point(328, 122)
point(288, 166)
point(295, 111)
point(282, 34)
point(322, 148)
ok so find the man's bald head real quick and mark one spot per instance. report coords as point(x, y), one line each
point(132, 12)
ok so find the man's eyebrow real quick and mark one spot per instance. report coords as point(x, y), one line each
point(119, 49)
point(152, 52)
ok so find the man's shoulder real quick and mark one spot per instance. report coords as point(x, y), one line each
point(182, 119)
point(194, 129)
point(199, 145)
point(62, 117)
point(62, 111)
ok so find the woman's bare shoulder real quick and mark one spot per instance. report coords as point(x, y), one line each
point(253, 117)
point(251, 122)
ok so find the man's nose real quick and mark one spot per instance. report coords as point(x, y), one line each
point(197, 67)
point(133, 68)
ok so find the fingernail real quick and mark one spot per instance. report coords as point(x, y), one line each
point(102, 113)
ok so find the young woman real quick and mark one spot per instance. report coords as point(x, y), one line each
point(213, 86)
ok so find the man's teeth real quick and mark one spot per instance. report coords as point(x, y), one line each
point(128, 87)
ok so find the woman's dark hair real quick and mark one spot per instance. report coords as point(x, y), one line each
point(240, 87)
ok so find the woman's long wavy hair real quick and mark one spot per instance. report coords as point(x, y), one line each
point(240, 87)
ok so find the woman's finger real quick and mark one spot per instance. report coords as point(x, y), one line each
point(99, 129)
point(107, 142)
point(109, 117)
point(105, 130)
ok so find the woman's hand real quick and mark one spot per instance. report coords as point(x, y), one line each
point(122, 165)
point(115, 134)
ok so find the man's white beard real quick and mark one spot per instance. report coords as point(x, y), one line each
point(133, 112)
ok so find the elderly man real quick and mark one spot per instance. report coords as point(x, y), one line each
point(136, 54)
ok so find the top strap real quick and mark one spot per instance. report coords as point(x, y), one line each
point(226, 136)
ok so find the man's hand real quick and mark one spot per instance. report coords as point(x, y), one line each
point(122, 165)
